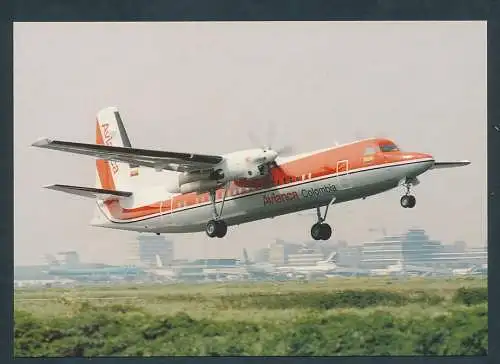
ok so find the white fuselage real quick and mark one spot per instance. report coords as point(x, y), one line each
point(270, 202)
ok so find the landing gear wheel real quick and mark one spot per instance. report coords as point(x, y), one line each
point(316, 231)
point(413, 201)
point(321, 231)
point(408, 201)
point(216, 228)
point(221, 229)
point(325, 231)
point(212, 228)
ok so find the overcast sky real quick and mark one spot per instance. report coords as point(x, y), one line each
point(200, 87)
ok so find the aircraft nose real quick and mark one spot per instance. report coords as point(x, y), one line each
point(417, 156)
point(424, 156)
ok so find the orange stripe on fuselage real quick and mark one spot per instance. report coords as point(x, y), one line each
point(321, 164)
point(103, 169)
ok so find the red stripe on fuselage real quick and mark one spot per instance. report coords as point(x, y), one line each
point(322, 164)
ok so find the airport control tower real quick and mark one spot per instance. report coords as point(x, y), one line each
point(145, 247)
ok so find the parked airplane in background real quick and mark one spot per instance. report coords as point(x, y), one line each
point(401, 268)
point(161, 271)
point(322, 267)
point(256, 267)
point(249, 185)
point(90, 271)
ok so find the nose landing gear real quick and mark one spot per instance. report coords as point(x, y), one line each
point(408, 201)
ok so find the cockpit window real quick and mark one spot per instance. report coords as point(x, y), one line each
point(389, 148)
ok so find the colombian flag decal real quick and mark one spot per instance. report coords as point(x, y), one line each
point(368, 158)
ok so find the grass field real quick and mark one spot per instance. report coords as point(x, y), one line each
point(345, 316)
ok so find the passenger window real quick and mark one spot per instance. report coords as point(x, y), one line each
point(369, 151)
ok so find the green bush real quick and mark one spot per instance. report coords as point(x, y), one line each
point(452, 327)
point(109, 332)
point(471, 296)
point(326, 300)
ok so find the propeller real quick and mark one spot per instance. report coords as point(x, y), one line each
point(283, 151)
point(361, 135)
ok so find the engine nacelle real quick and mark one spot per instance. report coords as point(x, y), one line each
point(193, 176)
point(236, 169)
point(245, 165)
point(198, 186)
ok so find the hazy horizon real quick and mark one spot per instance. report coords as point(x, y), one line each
point(200, 87)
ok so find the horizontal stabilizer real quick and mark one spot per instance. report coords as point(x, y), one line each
point(439, 165)
point(95, 193)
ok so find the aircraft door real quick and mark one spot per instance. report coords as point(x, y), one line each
point(165, 209)
point(162, 209)
point(343, 174)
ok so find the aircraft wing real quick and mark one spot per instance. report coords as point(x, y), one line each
point(439, 165)
point(174, 161)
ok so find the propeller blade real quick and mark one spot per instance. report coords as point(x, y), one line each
point(284, 151)
point(253, 139)
point(271, 132)
point(358, 135)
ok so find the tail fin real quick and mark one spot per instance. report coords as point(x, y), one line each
point(110, 131)
point(245, 256)
point(159, 263)
point(332, 258)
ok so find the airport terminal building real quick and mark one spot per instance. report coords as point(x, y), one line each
point(416, 248)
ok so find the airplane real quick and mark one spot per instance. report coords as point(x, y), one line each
point(464, 271)
point(401, 268)
point(89, 271)
point(247, 185)
point(161, 271)
point(256, 267)
point(321, 267)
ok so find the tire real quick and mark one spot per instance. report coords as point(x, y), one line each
point(316, 231)
point(221, 229)
point(212, 228)
point(325, 231)
point(412, 201)
point(405, 201)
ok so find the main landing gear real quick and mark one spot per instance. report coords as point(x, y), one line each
point(216, 227)
point(408, 201)
point(321, 230)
